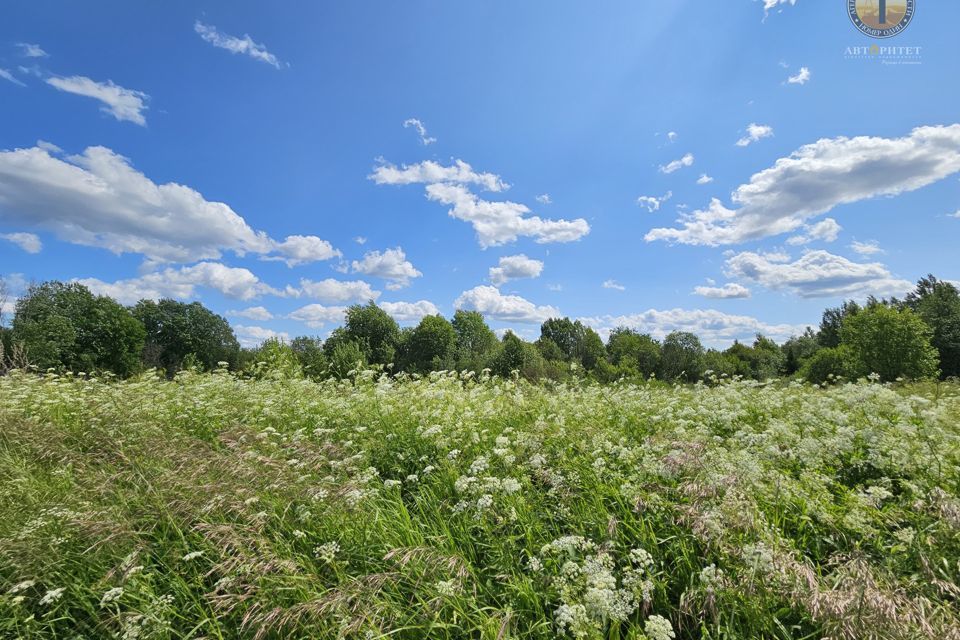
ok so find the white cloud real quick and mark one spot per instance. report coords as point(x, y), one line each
point(430, 172)
point(360, 240)
point(297, 250)
point(826, 230)
point(122, 104)
point(515, 267)
point(653, 203)
point(672, 136)
point(676, 165)
point(818, 274)
point(252, 313)
point(755, 132)
point(498, 223)
point(704, 179)
point(613, 284)
point(802, 77)
point(954, 215)
point(244, 45)
point(410, 311)
point(869, 248)
point(6, 75)
point(421, 130)
point(97, 199)
point(772, 4)
point(252, 336)
point(316, 316)
point(391, 265)
point(49, 147)
point(29, 242)
point(544, 198)
point(819, 177)
point(182, 283)
point(728, 291)
point(555, 287)
point(32, 50)
point(714, 327)
point(493, 304)
point(331, 290)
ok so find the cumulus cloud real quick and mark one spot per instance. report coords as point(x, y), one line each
point(252, 313)
point(182, 283)
point(28, 50)
point(332, 291)
point(869, 248)
point(6, 75)
point(817, 274)
point(421, 130)
point(816, 179)
point(755, 132)
point(123, 104)
point(297, 250)
point(391, 265)
point(704, 179)
point(245, 45)
point(653, 203)
point(29, 242)
point(826, 230)
point(802, 77)
point(515, 267)
point(714, 327)
point(430, 172)
point(507, 308)
point(253, 336)
point(613, 284)
point(495, 223)
point(676, 165)
point(316, 316)
point(410, 311)
point(954, 215)
point(98, 199)
point(544, 198)
point(728, 291)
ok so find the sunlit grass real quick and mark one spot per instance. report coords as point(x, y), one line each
point(217, 507)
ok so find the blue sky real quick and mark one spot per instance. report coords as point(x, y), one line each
point(157, 149)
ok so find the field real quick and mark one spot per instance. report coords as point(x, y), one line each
point(216, 507)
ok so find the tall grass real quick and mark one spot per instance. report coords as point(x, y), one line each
point(216, 507)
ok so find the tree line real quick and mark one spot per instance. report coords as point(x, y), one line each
point(65, 327)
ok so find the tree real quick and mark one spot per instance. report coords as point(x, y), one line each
point(475, 341)
point(576, 342)
point(346, 356)
point(682, 357)
point(633, 352)
point(832, 321)
point(768, 358)
point(65, 326)
point(798, 349)
point(430, 346)
point(309, 353)
point(178, 330)
point(828, 364)
point(938, 304)
point(591, 350)
point(890, 342)
point(374, 331)
point(510, 357)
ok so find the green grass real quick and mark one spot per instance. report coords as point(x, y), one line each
point(217, 507)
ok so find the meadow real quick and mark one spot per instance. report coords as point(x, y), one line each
point(450, 506)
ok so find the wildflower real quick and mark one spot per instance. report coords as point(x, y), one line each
point(446, 588)
point(510, 485)
point(485, 502)
point(390, 484)
point(111, 595)
point(658, 628)
point(52, 595)
point(193, 555)
point(412, 478)
point(327, 552)
point(22, 586)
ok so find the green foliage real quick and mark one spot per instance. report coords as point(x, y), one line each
point(938, 304)
point(832, 322)
point(275, 359)
point(511, 356)
point(228, 507)
point(309, 353)
point(682, 357)
point(892, 343)
point(798, 349)
point(829, 365)
point(574, 342)
point(430, 346)
point(475, 340)
point(374, 331)
point(64, 326)
point(346, 356)
point(632, 351)
point(176, 330)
